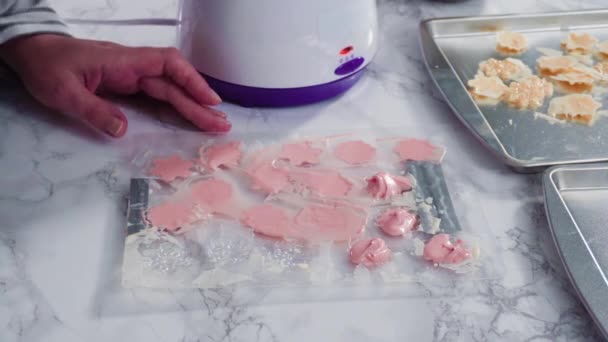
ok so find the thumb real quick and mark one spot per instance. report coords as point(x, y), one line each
point(90, 108)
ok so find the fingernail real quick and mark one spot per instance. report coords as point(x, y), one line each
point(219, 113)
point(114, 126)
point(224, 127)
point(216, 98)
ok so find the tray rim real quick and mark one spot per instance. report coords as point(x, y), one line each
point(429, 45)
point(516, 15)
point(556, 208)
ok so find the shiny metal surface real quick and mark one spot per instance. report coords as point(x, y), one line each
point(431, 184)
point(453, 47)
point(576, 200)
point(138, 204)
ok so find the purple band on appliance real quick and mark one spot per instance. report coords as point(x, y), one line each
point(274, 97)
point(350, 66)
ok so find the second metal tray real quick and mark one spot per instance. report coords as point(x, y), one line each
point(575, 198)
point(453, 48)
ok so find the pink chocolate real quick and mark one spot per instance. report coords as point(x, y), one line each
point(173, 215)
point(300, 153)
point(212, 194)
point(397, 221)
point(328, 183)
point(440, 250)
point(312, 223)
point(385, 186)
point(328, 223)
point(418, 150)
point(355, 152)
point(171, 168)
point(268, 178)
point(370, 253)
point(226, 155)
point(267, 219)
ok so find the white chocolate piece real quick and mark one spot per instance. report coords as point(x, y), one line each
point(579, 44)
point(580, 108)
point(506, 69)
point(511, 43)
point(487, 90)
point(553, 65)
point(529, 93)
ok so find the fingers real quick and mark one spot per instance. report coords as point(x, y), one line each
point(75, 98)
point(171, 64)
point(203, 117)
point(183, 73)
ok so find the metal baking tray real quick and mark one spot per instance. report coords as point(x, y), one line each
point(576, 200)
point(453, 48)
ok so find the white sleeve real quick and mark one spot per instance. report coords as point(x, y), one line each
point(24, 17)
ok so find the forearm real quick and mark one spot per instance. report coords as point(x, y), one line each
point(26, 17)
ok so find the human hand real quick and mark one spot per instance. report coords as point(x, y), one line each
point(66, 74)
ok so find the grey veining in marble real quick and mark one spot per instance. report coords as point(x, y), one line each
point(62, 213)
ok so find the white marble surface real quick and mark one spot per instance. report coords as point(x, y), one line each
point(62, 209)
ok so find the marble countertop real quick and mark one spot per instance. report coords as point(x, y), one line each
point(62, 209)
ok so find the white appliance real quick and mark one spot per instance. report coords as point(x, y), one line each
point(279, 52)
